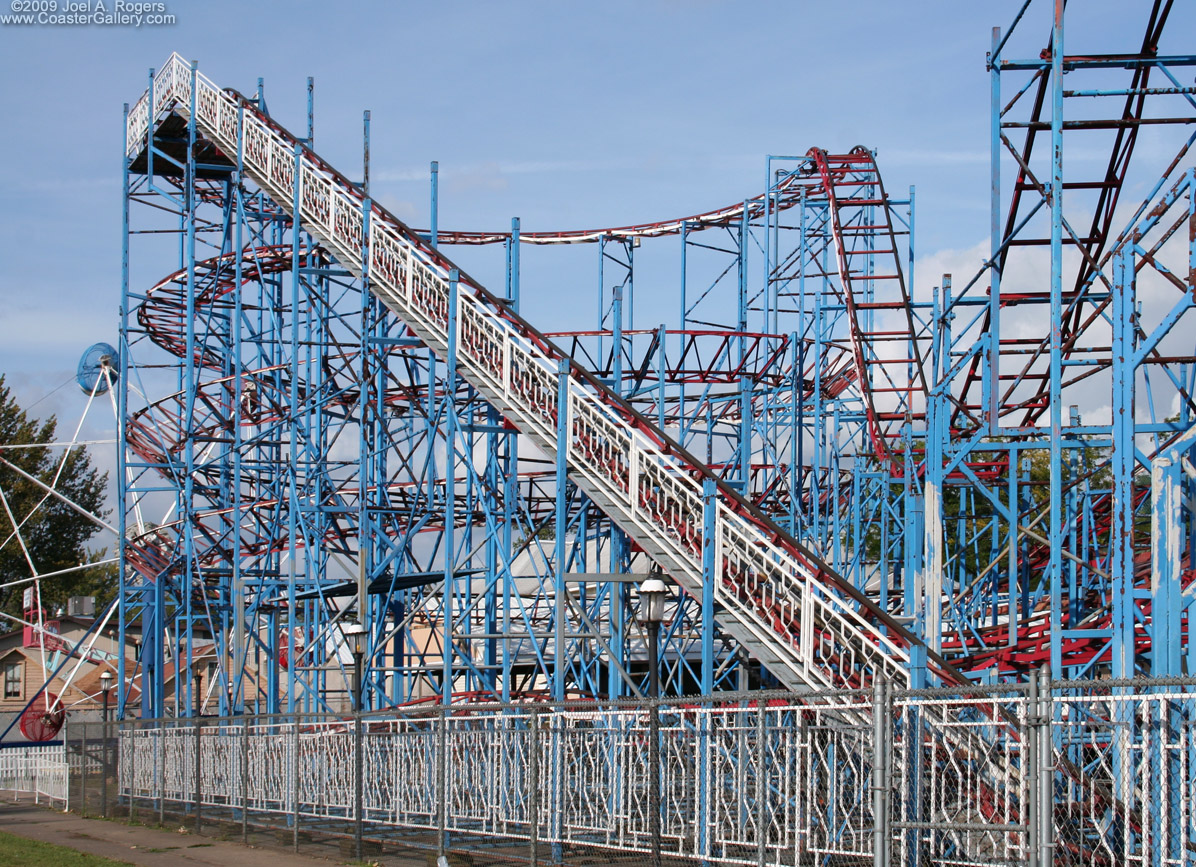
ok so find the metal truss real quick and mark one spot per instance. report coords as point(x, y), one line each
point(797, 615)
point(849, 483)
point(902, 463)
point(1066, 373)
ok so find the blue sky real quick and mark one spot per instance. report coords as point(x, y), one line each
point(566, 114)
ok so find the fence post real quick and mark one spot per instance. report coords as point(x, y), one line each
point(104, 769)
point(198, 771)
point(442, 782)
point(83, 772)
point(1032, 769)
point(882, 757)
point(533, 785)
point(556, 824)
point(705, 774)
point(66, 758)
point(761, 783)
point(1046, 770)
point(244, 778)
point(358, 770)
point(294, 784)
point(159, 772)
point(654, 778)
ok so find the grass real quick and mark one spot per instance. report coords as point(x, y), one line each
point(20, 852)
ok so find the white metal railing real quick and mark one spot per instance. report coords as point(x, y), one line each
point(39, 770)
point(781, 780)
point(589, 784)
point(771, 599)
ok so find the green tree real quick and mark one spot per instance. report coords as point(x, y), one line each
point(55, 535)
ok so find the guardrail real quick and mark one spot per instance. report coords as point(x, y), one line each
point(884, 776)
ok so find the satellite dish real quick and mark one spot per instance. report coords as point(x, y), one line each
point(38, 722)
point(97, 361)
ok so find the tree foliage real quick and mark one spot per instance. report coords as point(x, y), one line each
point(55, 536)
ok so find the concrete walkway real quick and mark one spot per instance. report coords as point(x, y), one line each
point(140, 845)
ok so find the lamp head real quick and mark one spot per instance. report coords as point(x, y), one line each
point(653, 593)
point(354, 633)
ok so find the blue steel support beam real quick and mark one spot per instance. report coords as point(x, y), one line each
point(513, 265)
point(450, 494)
point(311, 114)
point(560, 656)
point(435, 224)
point(239, 655)
point(1121, 530)
point(991, 386)
point(124, 581)
point(190, 577)
point(744, 457)
point(710, 580)
point(372, 477)
point(1055, 573)
point(293, 487)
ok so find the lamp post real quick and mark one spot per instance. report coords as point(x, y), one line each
point(197, 678)
point(106, 685)
point(145, 685)
point(651, 612)
point(106, 679)
point(355, 634)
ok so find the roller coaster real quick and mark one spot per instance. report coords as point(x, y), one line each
point(842, 477)
point(328, 428)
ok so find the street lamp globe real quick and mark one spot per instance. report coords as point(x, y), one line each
point(653, 593)
point(354, 633)
point(106, 679)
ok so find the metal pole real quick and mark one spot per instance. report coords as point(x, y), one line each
point(198, 768)
point(245, 780)
point(104, 760)
point(434, 234)
point(358, 765)
point(533, 786)
point(881, 769)
point(365, 183)
point(441, 781)
point(654, 740)
point(1032, 787)
point(159, 776)
point(761, 783)
point(66, 756)
point(295, 786)
point(1046, 771)
point(83, 773)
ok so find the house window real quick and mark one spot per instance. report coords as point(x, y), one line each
point(12, 680)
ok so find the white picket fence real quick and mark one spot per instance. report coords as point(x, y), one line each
point(36, 770)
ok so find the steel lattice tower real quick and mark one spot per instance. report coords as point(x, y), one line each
point(295, 456)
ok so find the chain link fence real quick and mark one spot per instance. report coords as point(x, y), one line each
point(1086, 773)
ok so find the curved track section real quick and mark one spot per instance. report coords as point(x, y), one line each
point(889, 346)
